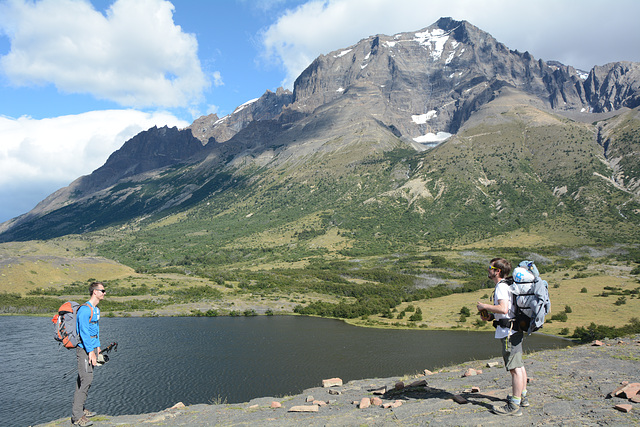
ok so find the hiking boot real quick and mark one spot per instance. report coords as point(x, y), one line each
point(524, 401)
point(89, 414)
point(83, 422)
point(508, 409)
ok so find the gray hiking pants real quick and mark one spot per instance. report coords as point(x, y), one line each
point(83, 383)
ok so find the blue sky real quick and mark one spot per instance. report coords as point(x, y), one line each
point(78, 77)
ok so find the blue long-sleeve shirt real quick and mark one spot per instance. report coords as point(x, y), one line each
point(88, 327)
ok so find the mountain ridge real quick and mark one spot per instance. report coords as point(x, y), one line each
point(382, 107)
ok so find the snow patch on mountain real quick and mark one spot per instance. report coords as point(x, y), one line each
point(421, 119)
point(245, 105)
point(433, 137)
point(343, 53)
point(435, 40)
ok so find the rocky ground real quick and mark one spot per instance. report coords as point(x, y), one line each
point(572, 386)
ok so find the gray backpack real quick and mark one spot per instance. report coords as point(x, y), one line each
point(530, 297)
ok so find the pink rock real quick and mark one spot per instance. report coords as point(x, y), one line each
point(376, 401)
point(309, 399)
point(365, 402)
point(459, 399)
point(396, 404)
point(304, 408)
point(387, 405)
point(276, 405)
point(254, 406)
point(618, 390)
point(630, 390)
point(428, 372)
point(623, 407)
point(597, 343)
point(332, 382)
point(470, 372)
point(320, 403)
point(635, 399)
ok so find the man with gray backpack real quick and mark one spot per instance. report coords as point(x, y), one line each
point(503, 312)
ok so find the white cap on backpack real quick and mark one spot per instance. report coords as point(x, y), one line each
point(522, 275)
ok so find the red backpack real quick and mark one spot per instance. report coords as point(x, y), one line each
point(65, 324)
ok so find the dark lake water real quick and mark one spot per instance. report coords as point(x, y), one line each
point(162, 361)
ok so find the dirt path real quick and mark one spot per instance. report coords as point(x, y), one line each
point(567, 387)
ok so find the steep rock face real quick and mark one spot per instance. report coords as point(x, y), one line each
point(149, 150)
point(613, 86)
point(435, 78)
point(431, 82)
point(267, 107)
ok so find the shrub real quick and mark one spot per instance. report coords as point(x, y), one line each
point(621, 300)
point(583, 290)
point(465, 311)
point(597, 332)
point(417, 316)
point(567, 309)
point(560, 317)
point(480, 323)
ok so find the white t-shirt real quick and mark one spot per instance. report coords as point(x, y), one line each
point(503, 292)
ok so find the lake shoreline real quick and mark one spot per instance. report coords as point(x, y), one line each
point(567, 386)
point(346, 321)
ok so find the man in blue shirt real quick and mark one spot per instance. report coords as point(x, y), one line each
point(87, 352)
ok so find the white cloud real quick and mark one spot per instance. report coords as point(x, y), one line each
point(50, 153)
point(217, 79)
point(568, 31)
point(134, 55)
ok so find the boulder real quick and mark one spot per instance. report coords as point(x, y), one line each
point(470, 373)
point(459, 399)
point(332, 382)
point(623, 407)
point(365, 402)
point(304, 408)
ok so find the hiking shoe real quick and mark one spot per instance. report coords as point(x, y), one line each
point(508, 409)
point(524, 401)
point(89, 414)
point(83, 422)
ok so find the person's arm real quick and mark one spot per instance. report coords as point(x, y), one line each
point(83, 319)
point(502, 307)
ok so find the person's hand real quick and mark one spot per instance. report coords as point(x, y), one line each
point(93, 359)
point(485, 315)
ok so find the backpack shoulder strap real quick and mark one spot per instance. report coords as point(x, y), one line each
point(87, 304)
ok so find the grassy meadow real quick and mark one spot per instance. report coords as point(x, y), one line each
point(586, 284)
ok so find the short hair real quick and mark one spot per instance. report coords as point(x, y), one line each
point(93, 286)
point(503, 266)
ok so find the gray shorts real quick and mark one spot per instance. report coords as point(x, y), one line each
point(512, 351)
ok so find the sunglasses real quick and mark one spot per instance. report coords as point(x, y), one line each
point(104, 291)
point(491, 267)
